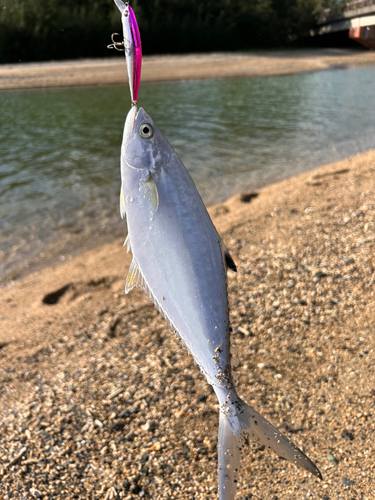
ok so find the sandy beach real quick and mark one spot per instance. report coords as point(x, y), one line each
point(178, 67)
point(98, 399)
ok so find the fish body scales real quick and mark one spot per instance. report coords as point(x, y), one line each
point(177, 250)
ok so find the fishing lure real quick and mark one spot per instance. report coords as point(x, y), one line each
point(132, 46)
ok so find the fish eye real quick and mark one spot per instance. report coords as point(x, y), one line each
point(146, 131)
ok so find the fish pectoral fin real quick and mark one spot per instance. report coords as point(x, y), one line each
point(151, 191)
point(122, 203)
point(227, 258)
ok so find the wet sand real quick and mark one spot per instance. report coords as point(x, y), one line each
point(98, 399)
point(179, 67)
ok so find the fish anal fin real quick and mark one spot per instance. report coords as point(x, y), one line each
point(134, 277)
point(227, 258)
point(122, 203)
point(127, 243)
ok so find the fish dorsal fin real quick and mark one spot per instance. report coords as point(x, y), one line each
point(122, 203)
point(151, 191)
point(227, 258)
point(127, 243)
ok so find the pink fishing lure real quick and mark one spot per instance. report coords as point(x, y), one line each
point(133, 47)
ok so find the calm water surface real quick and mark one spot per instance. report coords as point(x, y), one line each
point(59, 148)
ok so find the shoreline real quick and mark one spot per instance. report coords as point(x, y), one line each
point(178, 67)
point(97, 396)
point(95, 241)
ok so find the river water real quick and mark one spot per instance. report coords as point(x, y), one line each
point(59, 148)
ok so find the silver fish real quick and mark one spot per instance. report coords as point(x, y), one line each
point(180, 261)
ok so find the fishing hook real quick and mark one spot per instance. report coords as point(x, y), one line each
point(115, 45)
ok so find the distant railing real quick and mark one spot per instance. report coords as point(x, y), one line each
point(358, 4)
point(329, 15)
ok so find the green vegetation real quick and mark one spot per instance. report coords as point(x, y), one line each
point(34, 30)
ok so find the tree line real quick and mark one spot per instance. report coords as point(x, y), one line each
point(36, 30)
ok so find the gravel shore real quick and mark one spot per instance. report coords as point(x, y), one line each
point(178, 67)
point(99, 400)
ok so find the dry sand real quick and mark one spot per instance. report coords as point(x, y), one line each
point(99, 400)
point(180, 67)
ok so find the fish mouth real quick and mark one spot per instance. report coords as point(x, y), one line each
point(134, 119)
point(131, 121)
point(141, 117)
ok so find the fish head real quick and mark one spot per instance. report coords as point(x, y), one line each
point(142, 142)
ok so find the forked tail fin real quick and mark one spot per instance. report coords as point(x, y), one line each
point(229, 454)
point(259, 429)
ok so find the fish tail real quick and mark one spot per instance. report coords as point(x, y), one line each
point(259, 429)
point(229, 454)
point(249, 423)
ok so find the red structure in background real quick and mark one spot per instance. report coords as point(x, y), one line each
point(364, 35)
point(357, 18)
